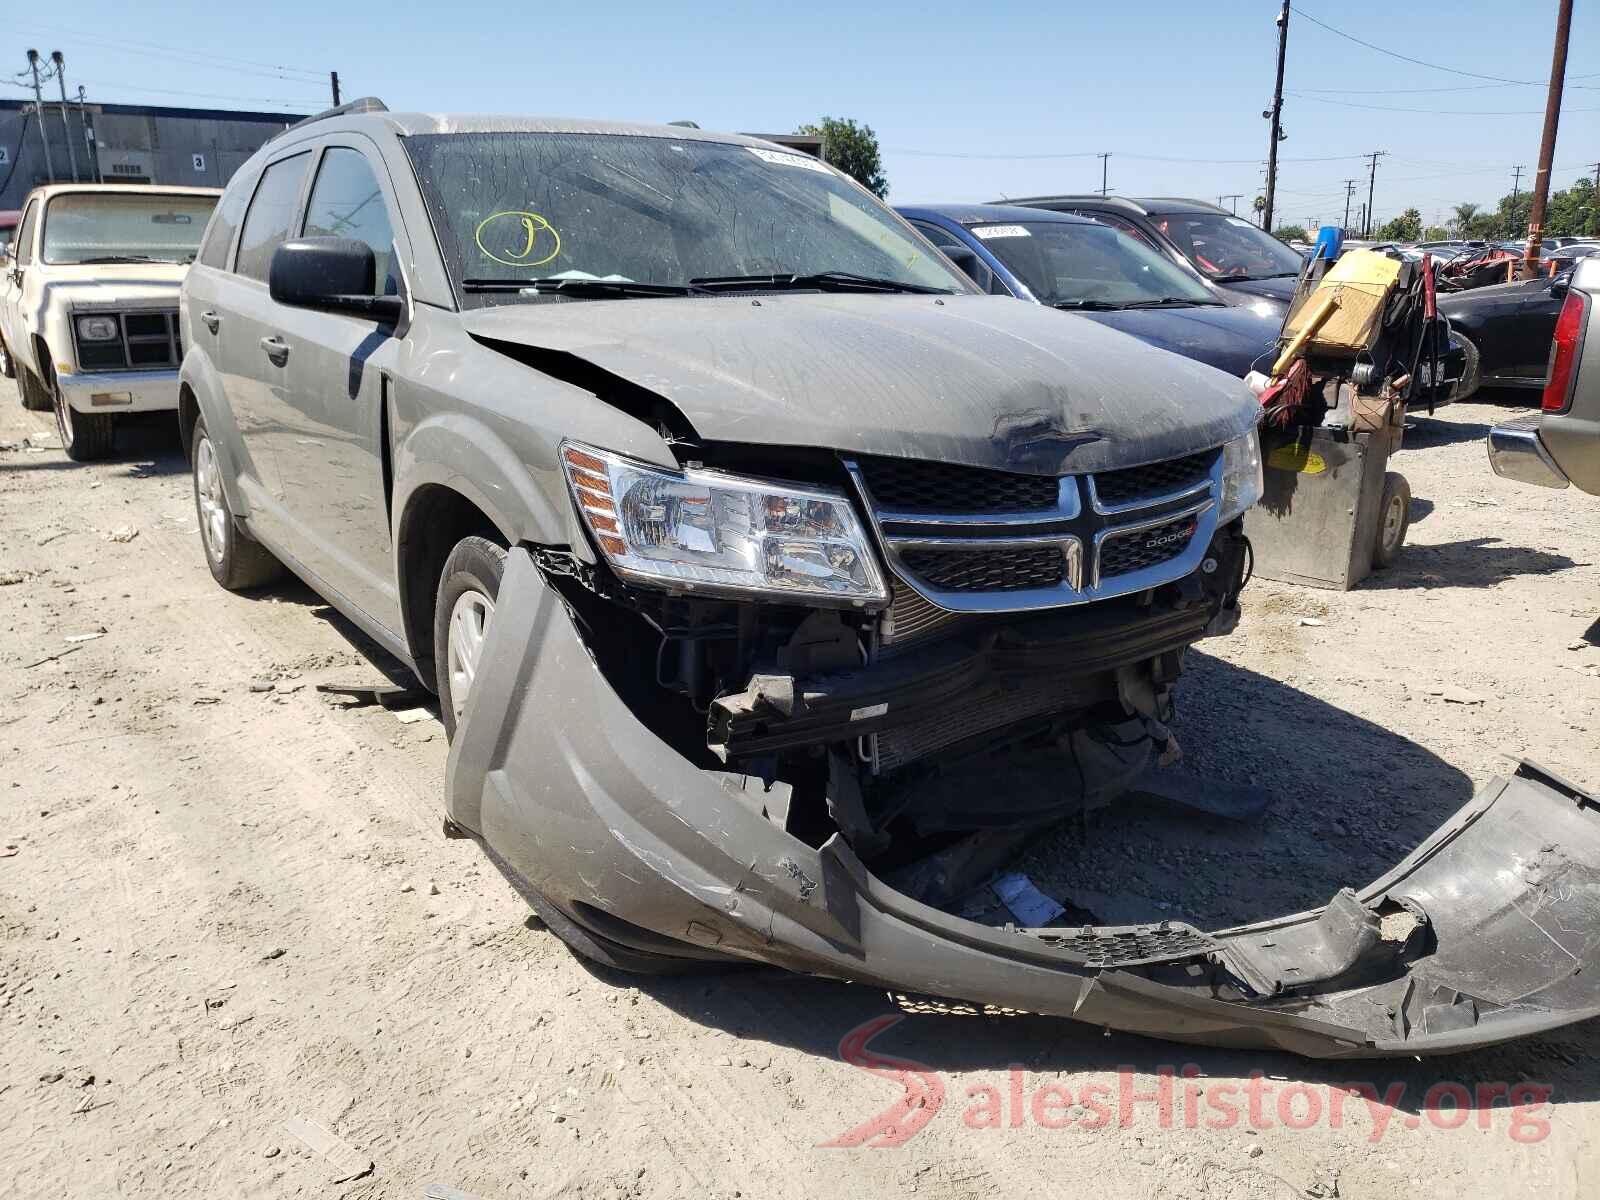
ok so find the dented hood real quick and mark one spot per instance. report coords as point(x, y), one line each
point(981, 380)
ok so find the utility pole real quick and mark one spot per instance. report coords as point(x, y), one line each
point(1372, 180)
point(1362, 220)
point(89, 147)
point(1547, 143)
point(1105, 168)
point(66, 129)
point(1276, 115)
point(1233, 202)
point(38, 107)
point(1516, 182)
point(1349, 191)
point(333, 77)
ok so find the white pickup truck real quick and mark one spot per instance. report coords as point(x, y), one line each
point(89, 303)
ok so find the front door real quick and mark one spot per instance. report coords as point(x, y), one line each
point(331, 448)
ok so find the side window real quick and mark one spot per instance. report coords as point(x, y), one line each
point(1127, 227)
point(25, 235)
point(224, 223)
point(940, 237)
point(347, 202)
point(271, 212)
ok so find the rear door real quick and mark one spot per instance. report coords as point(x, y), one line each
point(250, 348)
point(339, 369)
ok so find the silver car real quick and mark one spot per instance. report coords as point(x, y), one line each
point(772, 580)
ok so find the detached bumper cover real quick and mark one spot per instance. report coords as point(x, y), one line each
point(1481, 935)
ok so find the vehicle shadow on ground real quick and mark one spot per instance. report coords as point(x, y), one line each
point(1470, 562)
point(1422, 432)
point(292, 590)
point(147, 446)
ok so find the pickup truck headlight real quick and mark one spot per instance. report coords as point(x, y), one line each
point(1241, 476)
point(703, 531)
point(97, 329)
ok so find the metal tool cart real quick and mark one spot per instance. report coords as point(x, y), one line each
point(1361, 339)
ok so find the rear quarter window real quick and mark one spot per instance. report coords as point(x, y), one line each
point(225, 223)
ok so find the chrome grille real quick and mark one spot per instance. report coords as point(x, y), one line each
point(1122, 553)
point(980, 570)
point(1141, 484)
point(916, 486)
point(147, 339)
point(971, 540)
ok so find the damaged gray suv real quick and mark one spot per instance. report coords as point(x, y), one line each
point(775, 583)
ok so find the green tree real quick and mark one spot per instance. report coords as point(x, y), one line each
point(1435, 233)
point(1465, 214)
point(1407, 227)
point(1291, 233)
point(1575, 211)
point(854, 150)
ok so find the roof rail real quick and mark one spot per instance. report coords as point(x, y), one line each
point(364, 105)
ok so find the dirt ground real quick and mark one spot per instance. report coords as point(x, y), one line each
point(228, 916)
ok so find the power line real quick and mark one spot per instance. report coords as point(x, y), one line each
point(1406, 57)
point(158, 50)
point(141, 87)
point(1438, 112)
point(1214, 162)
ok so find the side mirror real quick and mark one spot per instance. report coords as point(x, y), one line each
point(333, 275)
point(1560, 285)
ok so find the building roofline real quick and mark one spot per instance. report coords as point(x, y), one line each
point(156, 110)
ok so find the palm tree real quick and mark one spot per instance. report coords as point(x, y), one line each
point(1463, 218)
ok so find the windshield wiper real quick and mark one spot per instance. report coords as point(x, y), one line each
point(1174, 302)
point(120, 258)
point(588, 289)
point(1254, 278)
point(1089, 305)
point(817, 281)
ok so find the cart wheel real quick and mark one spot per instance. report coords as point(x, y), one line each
point(1394, 518)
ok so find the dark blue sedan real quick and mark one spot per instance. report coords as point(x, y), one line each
point(1081, 266)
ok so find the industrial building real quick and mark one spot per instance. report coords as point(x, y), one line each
point(125, 143)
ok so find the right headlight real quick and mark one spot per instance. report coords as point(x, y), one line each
point(97, 329)
point(706, 532)
point(1241, 476)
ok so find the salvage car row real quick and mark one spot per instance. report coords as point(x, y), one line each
point(764, 564)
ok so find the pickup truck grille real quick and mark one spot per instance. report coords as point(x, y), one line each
point(971, 540)
point(147, 339)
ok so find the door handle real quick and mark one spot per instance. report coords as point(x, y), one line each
point(212, 320)
point(277, 350)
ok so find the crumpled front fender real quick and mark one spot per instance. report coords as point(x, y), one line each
point(1482, 934)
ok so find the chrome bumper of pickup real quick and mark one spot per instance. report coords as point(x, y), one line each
point(1515, 452)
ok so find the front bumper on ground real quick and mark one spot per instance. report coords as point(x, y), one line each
point(1482, 934)
point(120, 391)
point(1516, 452)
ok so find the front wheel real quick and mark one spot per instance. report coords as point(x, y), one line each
point(84, 436)
point(30, 391)
point(469, 585)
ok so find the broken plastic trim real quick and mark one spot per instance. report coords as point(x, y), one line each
point(1481, 935)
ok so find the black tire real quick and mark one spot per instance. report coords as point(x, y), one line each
point(84, 436)
point(1394, 519)
point(475, 565)
point(8, 364)
point(30, 391)
point(237, 561)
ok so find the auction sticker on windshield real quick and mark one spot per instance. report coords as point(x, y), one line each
point(1001, 231)
point(779, 159)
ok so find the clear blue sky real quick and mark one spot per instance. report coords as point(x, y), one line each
point(1162, 84)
